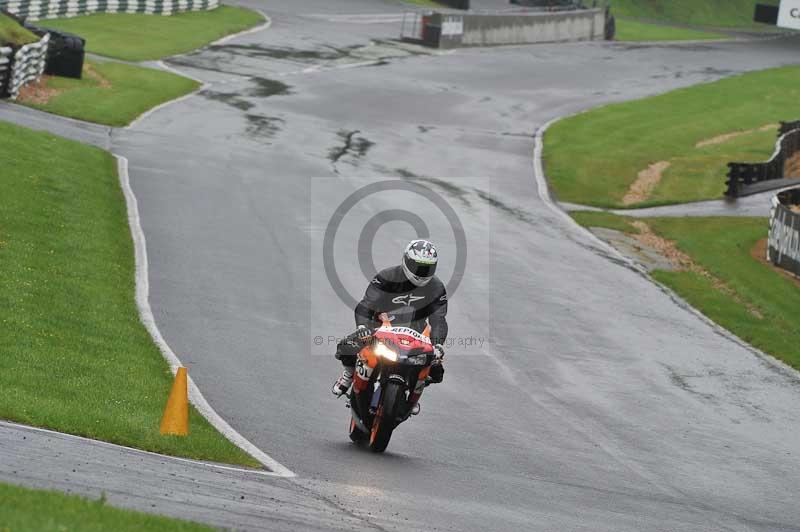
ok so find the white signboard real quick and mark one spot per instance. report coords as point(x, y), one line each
point(452, 26)
point(789, 14)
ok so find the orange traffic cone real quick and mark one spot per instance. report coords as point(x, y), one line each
point(176, 414)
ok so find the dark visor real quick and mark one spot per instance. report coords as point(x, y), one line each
point(419, 269)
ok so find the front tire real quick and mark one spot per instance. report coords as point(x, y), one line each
point(386, 418)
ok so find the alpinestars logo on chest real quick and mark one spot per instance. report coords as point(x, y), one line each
point(406, 299)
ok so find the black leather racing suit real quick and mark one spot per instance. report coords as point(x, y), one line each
point(407, 305)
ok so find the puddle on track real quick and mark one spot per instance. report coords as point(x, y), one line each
point(268, 87)
point(263, 88)
point(352, 144)
point(264, 127)
point(327, 53)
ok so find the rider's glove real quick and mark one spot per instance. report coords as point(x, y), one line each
point(436, 374)
point(363, 333)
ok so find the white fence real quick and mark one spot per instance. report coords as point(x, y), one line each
point(412, 27)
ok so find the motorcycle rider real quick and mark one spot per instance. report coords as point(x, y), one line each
point(412, 296)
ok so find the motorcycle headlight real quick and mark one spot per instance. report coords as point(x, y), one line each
point(382, 350)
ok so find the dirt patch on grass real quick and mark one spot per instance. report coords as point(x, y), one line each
point(721, 139)
point(759, 252)
point(88, 70)
point(791, 168)
point(38, 93)
point(648, 179)
point(665, 247)
point(645, 183)
point(684, 262)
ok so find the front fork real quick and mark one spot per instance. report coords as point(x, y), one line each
point(363, 375)
point(413, 398)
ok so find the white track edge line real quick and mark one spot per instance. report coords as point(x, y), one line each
point(146, 315)
point(160, 106)
point(575, 227)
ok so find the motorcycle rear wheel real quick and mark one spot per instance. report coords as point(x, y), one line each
point(385, 419)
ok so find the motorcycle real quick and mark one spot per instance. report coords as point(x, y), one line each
point(391, 373)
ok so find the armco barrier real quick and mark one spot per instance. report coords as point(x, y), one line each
point(44, 9)
point(783, 247)
point(750, 178)
point(28, 65)
point(453, 30)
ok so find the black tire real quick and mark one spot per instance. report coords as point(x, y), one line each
point(386, 419)
point(611, 28)
point(356, 434)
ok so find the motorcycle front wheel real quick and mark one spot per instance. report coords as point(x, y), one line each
point(385, 418)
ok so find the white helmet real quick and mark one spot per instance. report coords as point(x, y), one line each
point(419, 262)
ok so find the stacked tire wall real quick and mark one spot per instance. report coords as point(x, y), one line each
point(6, 57)
point(24, 66)
point(43, 9)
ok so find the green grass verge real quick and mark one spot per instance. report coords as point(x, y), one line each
point(11, 33)
point(594, 157)
point(146, 37)
point(723, 247)
point(111, 93)
point(631, 30)
point(606, 220)
point(425, 3)
point(75, 357)
point(700, 173)
point(23, 509)
point(720, 13)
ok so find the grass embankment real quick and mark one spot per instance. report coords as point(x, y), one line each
point(426, 3)
point(23, 509)
point(115, 94)
point(714, 13)
point(109, 93)
point(11, 33)
point(634, 31)
point(146, 37)
point(594, 158)
point(75, 357)
point(757, 303)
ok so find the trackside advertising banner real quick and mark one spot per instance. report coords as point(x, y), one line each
point(789, 14)
point(784, 239)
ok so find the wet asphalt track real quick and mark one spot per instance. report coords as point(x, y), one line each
point(596, 402)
